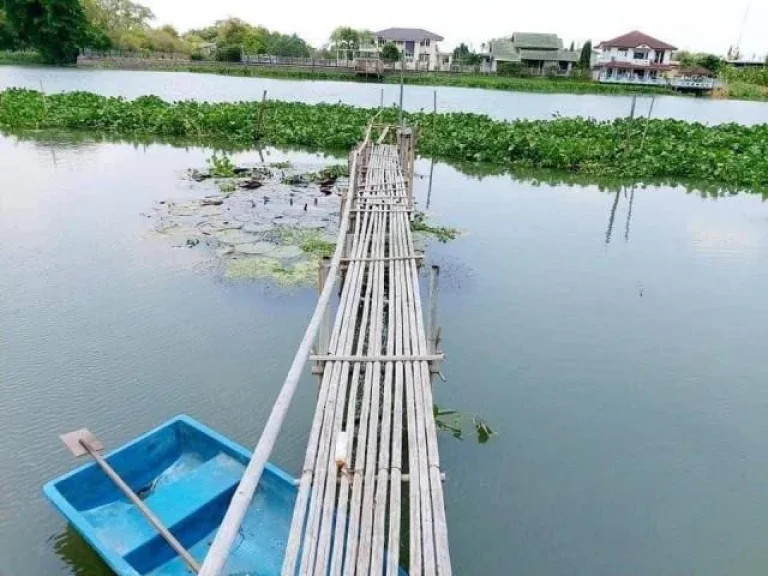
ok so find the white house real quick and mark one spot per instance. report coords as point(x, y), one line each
point(633, 58)
point(636, 58)
point(418, 48)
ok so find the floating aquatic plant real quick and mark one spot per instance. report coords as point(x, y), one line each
point(730, 155)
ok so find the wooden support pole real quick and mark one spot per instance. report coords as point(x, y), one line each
point(260, 119)
point(324, 334)
point(432, 329)
point(632, 108)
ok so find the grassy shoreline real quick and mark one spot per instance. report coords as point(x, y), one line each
point(730, 156)
point(733, 89)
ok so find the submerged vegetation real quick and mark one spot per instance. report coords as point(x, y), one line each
point(732, 156)
point(442, 233)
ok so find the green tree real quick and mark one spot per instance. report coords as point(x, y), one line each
point(390, 53)
point(462, 54)
point(286, 45)
point(711, 62)
point(56, 28)
point(585, 60)
point(8, 38)
point(347, 40)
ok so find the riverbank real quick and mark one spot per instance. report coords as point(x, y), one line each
point(731, 156)
point(332, 73)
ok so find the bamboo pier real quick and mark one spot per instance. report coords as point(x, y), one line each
point(370, 494)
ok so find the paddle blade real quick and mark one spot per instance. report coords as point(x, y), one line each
point(72, 440)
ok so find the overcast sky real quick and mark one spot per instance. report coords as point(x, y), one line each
point(700, 25)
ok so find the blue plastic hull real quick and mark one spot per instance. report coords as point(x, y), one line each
point(186, 473)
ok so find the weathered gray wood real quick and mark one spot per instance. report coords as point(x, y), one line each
point(376, 390)
point(222, 543)
point(380, 358)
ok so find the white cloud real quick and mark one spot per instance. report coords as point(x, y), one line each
point(702, 25)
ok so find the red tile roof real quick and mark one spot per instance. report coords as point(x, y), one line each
point(633, 40)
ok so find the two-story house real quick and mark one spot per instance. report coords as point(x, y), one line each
point(419, 48)
point(633, 58)
point(536, 53)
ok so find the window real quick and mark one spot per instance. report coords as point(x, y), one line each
point(622, 51)
point(640, 55)
point(659, 57)
point(423, 57)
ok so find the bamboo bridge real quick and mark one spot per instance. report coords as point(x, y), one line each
point(370, 495)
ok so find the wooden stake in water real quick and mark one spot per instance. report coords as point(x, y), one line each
point(632, 108)
point(260, 119)
point(82, 442)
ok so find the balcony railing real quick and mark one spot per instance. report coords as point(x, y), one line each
point(692, 83)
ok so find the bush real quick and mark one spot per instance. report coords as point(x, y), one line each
point(231, 53)
point(390, 53)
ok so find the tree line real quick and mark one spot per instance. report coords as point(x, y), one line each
point(60, 29)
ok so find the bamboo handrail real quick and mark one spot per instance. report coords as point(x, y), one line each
point(222, 544)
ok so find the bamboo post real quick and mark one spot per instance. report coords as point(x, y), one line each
point(402, 82)
point(260, 118)
point(434, 277)
point(324, 335)
point(632, 108)
point(243, 496)
point(381, 98)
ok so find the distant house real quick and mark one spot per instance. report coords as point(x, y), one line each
point(537, 53)
point(207, 49)
point(419, 48)
point(634, 57)
point(637, 58)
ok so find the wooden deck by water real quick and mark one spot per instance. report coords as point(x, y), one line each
point(370, 497)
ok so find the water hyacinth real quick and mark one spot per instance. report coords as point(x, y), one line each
point(732, 156)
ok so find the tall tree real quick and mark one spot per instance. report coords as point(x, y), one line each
point(348, 40)
point(8, 38)
point(56, 28)
point(464, 55)
point(585, 60)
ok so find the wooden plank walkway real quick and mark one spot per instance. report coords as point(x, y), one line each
point(373, 423)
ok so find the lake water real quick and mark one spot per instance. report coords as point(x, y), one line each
point(495, 103)
point(626, 379)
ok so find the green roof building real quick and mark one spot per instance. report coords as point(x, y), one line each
point(537, 53)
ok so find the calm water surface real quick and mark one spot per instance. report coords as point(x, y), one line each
point(495, 103)
point(627, 380)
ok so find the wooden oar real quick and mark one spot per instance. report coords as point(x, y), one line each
point(82, 442)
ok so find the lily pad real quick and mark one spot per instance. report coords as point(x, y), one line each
point(303, 272)
point(234, 237)
point(257, 248)
point(286, 252)
point(256, 228)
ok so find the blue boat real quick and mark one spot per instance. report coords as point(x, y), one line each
point(186, 474)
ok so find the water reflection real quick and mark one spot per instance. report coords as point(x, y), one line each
point(478, 171)
point(78, 555)
point(612, 214)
